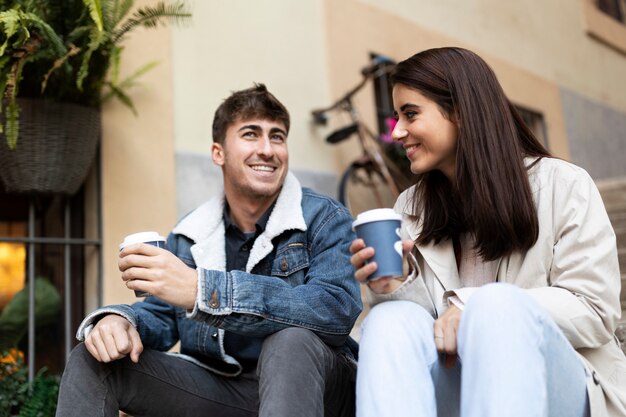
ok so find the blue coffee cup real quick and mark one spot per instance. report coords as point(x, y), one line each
point(149, 238)
point(380, 229)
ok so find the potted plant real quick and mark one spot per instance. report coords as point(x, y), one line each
point(59, 61)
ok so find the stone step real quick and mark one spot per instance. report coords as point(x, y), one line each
point(611, 186)
point(614, 207)
point(620, 235)
point(617, 217)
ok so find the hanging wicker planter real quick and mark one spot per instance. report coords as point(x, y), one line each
point(56, 147)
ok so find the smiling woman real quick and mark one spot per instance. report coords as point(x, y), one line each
point(514, 264)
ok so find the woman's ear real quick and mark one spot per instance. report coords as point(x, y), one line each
point(217, 154)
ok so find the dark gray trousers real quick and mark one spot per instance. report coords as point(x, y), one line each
point(297, 375)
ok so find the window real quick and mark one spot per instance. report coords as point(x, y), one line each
point(614, 8)
point(606, 22)
point(535, 123)
point(42, 240)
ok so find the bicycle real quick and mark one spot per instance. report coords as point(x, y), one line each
point(372, 180)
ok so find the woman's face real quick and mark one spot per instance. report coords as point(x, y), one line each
point(430, 140)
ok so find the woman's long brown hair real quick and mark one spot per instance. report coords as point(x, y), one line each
point(492, 198)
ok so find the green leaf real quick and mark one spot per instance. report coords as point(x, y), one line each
point(14, 317)
point(150, 17)
point(96, 39)
point(121, 96)
point(12, 127)
point(116, 54)
point(95, 11)
point(130, 80)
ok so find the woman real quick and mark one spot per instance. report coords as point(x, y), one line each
point(513, 296)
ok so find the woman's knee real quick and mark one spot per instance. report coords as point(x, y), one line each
point(499, 299)
point(500, 310)
point(394, 316)
point(397, 325)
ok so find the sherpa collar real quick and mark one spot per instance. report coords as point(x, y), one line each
point(205, 226)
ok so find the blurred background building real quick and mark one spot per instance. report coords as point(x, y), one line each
point(563, 63)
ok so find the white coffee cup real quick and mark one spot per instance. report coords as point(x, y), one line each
point(149, 238)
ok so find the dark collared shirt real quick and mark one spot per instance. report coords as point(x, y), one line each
point(238, 243)
point(238, 246)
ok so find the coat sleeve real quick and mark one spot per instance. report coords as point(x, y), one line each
point(327, 302)
point(584, 279)
point(154, 319)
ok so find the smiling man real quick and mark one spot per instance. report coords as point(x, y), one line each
point(256, 285)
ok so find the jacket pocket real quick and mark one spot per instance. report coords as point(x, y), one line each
point(290, 259)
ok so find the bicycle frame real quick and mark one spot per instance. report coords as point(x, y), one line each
point(367, 139)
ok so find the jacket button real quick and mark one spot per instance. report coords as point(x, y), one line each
point(214, 336)
point(214, 302)
point(284, 265)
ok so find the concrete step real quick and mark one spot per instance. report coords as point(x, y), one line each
point(612, 187)
point(617, 218)
point(620, 236)
point(621, 257)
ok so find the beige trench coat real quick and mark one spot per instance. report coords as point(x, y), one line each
point(572, 271)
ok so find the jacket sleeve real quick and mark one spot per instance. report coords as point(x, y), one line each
point(327, 302)
point(584, 280)
point(154, 320)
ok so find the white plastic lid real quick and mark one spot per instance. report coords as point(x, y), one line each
point(376, 215)
point(140, 238)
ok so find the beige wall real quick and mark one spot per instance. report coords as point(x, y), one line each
point(309, 52)
point(373, 29)
point(232, 44)
point(138, 155)
point(549, 40)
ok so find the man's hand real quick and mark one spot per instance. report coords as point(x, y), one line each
point(361, 254)
point(160, 273)
point(446, 328)
point(112, 338)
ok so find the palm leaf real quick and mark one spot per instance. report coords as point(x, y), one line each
point(96, 39)
point(130, 80)
point(115, 88)
point(17, 22)
point(151, 16)
point(95, 11)
point(122, 10)
point(12, 127)
point(121, 96)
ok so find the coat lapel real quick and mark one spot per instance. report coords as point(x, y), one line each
point(439, 258)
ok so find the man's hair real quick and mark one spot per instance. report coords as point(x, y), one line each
point(251, 103)
point(492, 198)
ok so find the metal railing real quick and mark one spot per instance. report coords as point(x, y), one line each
point(67, 241)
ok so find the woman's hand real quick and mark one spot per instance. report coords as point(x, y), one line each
point(446, 328)
point(361, 254)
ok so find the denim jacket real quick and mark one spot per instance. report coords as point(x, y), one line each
point(298, 275)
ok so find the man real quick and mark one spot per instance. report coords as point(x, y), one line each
point(256, 284)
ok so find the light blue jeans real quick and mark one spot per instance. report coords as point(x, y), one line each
point(513, 361)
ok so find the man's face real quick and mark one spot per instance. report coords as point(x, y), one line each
point(254, 158)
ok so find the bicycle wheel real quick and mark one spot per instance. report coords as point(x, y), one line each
point(362, 187)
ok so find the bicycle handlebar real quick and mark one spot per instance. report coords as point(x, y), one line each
point(380, 65)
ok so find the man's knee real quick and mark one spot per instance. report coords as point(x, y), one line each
point(289, 340)
point(79, 357)
point(292, 347)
